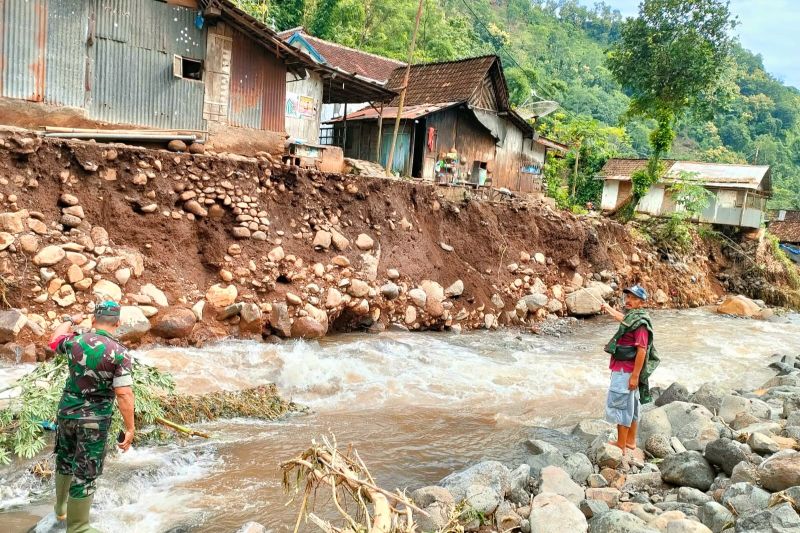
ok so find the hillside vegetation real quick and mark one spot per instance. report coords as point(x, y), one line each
point(557, 49)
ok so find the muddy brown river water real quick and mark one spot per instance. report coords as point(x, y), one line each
point(417, 406)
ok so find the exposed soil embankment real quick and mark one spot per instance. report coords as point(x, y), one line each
point(203, 246)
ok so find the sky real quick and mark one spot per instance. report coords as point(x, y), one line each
point(767, 27)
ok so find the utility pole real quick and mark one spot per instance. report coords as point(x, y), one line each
point(390, 160)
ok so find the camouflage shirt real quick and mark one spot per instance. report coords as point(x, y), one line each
point(98, 363)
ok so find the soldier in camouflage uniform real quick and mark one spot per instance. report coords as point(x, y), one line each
point(99, 371)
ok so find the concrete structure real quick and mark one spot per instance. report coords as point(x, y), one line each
point(199, 65)
point(739, 192)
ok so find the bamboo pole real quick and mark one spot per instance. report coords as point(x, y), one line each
point(183, 429)
point(411, 47)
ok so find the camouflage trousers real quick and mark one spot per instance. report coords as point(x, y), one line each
point(80, 451)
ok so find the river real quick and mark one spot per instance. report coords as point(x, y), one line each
point(417, 406)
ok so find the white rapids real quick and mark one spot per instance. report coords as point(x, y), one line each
point(416, 405)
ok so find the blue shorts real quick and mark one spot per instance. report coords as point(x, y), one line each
point(622, 404)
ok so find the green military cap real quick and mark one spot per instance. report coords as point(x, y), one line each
point(107, 308)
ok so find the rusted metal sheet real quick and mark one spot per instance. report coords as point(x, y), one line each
point(257, 86)
point(23, 41)
point(152, 25)
point(145, 92)
point(132, 80)
point(67, 31)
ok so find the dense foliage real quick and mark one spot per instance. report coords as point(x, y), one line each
point(559, 49)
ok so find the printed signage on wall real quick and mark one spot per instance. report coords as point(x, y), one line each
point(292, 105)
point(307, 107)
point(299, 106)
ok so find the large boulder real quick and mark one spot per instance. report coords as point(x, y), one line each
point(552, 512)
point(739, 305)
point(715, 516)
point(555, 480)
point(220, 296)
point(586, 301)
point(11, 323)
point(483, 485)
point(175, 323)
point(674, 393)
point(780, 471)
point(690, 423)
point(589, 429)
point(779, 519)
point(133, 324)
point(107, 290)
point(733, 406)
point(725, 454)
point(687, 469)
point(710, 396)
point(742, 498)
point(618, 522)
point(279, 319)
point(437, 502)
point(49, 256)
point(307, 328)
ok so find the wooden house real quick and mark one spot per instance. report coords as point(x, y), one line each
point(456, 126)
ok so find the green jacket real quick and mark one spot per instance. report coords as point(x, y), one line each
point(633, 320)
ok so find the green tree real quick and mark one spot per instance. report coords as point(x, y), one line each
point(670, 59)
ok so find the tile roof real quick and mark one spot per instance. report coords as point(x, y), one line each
point(364, 64)
point(449, 81)
point(786, 231)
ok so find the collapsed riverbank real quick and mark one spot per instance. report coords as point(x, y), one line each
point(200, 247)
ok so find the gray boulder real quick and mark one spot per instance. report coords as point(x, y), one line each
point(688, 422)
point(762, 444)
point(734, 405)
point(618, 522)
point(715, 517)
point(520, 492)
point(658, 446)
point(687, 469)
point(592, 508)
point(779, 519)
point(674, 393)
point(438, 503)
point(543, 454)
point(133, 324)
point(556, 481)
point(725, 453)
point(710, 395)
point(693, 496)
point(742, 498)
point(483, 485)
point(578, 466)
point(588, 430)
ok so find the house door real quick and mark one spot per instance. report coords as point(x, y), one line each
point(401, 151)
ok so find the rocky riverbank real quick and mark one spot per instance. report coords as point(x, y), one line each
point(714, 460)
point(203, 246)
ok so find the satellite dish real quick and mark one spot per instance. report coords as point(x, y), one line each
point(536, 108)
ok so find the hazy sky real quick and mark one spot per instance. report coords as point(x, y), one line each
point(767, 27)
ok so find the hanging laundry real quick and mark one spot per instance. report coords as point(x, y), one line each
point(431, 138)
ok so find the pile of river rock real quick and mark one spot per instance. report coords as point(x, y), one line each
point(714, 460)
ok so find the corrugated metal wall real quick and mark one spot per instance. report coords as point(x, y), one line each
point(23, 37)
point(67, 31)
point(258, 86)
point(132, 79)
